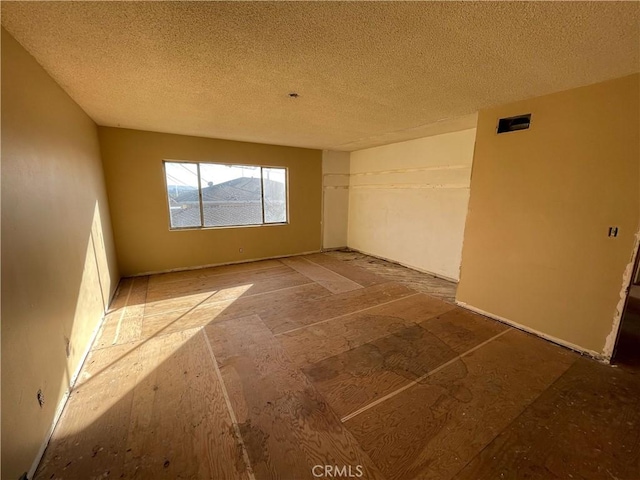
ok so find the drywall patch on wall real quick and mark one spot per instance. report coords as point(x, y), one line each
point(536, 246)
point(58, 261)
point(408, 201)
point(137, 195)
point(627, 280)
point(335, 198)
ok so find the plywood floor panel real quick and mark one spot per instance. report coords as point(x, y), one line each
point(268, 304)
point(190, 286)
point(306, 312)
point(394, 272)
point(330, 280)
point(152, 409)
point(213, 271)
point(462, 329)
point(130, 327)
point(359, 275)
point(180, 426)
point(359, 376)
point(586, 425)
point(286, 425)
point(316, 342)
point(424, 389)
point(90, 439)
point(123, 322)
point(432, 429)
point(227, 290)
point(121, 295)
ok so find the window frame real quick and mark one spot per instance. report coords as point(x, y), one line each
point(202, 226)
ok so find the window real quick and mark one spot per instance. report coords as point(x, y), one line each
point(217, 195)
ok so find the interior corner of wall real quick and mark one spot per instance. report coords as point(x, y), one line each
point(627, 275)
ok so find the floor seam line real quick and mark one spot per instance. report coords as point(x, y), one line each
point(345, 315)
point(230, 285)
point(144, 307)
point(524, 409)
point(207, 276)
point(231, 299)
point(331, 271)
point(421, 378)
point(232, 415)
point(153, 289)
point(126, 304)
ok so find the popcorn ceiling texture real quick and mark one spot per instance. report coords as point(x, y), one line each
point(367, 73)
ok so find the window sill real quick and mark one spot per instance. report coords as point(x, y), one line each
point(183, 229)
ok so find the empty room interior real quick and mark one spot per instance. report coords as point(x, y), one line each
point(302, 240)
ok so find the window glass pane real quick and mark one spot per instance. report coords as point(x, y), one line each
point(275, 195)
point(182, 190)
point(231, 195)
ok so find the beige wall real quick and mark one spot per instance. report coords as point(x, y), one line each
point(138, 201)
point(408, 201)
point(58, 262)
point(536, 250)
point(335, 198)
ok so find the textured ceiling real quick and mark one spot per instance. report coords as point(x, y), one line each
point(367, 73)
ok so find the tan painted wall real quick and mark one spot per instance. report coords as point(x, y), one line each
point(408, 201)
point(138, 200)
point(536, 250)
point(58, 261)
point(335, 198)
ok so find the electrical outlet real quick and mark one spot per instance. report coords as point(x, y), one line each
point(613, 231)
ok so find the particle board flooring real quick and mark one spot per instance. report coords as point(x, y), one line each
point(333, 366)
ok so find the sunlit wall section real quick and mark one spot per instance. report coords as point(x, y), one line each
point(58, 261)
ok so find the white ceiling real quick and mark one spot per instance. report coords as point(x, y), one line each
point(367, 73)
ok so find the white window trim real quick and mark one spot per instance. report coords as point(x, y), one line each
point(218, 227)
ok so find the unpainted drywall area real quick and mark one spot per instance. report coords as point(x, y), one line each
point(408, 201)
point(138, 200)
point(536, 246)
point(58, 262)
point(335, 198)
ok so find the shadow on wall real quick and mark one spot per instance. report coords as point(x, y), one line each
point(53, 300)
point(58, 259)
point(94, 295)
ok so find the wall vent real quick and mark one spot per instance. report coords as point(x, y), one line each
point(513, 124)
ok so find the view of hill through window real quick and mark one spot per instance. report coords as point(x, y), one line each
point(216, 195)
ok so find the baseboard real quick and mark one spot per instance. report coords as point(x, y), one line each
point(571, 346)
point(417, 269)
point(200, 267)
point(65, 397)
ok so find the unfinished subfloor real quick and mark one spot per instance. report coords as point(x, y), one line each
point(274, 369)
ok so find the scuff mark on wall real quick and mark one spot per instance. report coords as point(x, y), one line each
point(627, 278)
